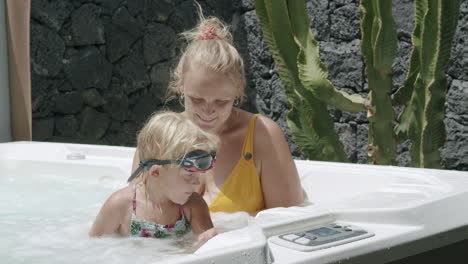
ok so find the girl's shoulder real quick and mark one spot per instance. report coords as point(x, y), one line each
point(121, 198)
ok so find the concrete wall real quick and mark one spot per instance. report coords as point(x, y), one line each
point(5, 127)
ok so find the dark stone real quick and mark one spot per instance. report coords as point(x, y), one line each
point(319, 19)
point(258, 57)
point(347, 135)
point(87, 68)
point(362, 143)
point(403, 158)
point(455, 153)
point(109, 6)
point(457, 102)
point(47, 50)
point(86, 25)
point(65, 87)
point(401, 64)
point(159, 76)
point(184, 17)
point(68, 103)
point(403, 13)
point(43, 92)
point(121, 33)
point(132, 71)
point(344, 64)
point(92, 97)
point(157, 10)
point(94, 124)
point(345, 24)
point(158, 43)
point(42, 129)
point(116, 106)
point(66, 126)
point(243, 5)
point(51, 13)
point(143, 108)
point(458, 63)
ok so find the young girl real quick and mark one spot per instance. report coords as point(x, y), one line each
point(161, 199)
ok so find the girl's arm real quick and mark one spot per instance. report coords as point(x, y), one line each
point(110, 216)
point(278, 173)
point(200, 219)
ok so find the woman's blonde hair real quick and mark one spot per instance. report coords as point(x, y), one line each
point(169, 136)
point(210, 46)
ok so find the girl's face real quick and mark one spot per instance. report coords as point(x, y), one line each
point(209, 98)
point(179, 184)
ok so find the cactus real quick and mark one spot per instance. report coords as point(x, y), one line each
point(378, 47)
point(304, 76)
point(426, 84)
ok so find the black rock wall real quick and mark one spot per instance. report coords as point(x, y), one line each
point(101, 67)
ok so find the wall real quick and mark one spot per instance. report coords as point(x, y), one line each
point(5, 127)
point(100, 67)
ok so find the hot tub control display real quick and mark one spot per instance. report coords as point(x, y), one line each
point(320, 237)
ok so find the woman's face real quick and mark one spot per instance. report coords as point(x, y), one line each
point(209, 98)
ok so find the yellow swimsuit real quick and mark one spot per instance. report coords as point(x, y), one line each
point(242, 190)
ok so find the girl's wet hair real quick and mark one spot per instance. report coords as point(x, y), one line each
point(169, 136)
point(210, 46)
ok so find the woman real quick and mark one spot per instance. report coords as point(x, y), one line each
point(254, 168)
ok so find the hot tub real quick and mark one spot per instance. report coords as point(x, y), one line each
point(51, 192)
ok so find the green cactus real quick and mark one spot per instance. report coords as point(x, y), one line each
point(378, 47)
point(426, 84)
point(305, 79)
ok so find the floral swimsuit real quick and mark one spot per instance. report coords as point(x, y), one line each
point(143, 228)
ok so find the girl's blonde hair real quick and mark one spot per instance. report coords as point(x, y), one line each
point(169, 136)
point(210, 46)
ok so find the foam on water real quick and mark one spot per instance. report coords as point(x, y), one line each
point(46, 216)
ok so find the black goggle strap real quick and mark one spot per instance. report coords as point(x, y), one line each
point(146, 164)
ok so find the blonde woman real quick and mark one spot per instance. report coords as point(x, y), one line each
point(254, 169)
point(161, 200)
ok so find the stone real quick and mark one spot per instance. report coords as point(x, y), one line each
point(319, 21)
point(158, 43)
point(184, 17)
point(143, 108)
point(68, 103)
point(42, 129)
point(457, 102)
point(66, 126)
point(157, 10)
point(344, 63)
point(87, 68)
point(345, 23)
point(454, 154)
point(47, 51)
point(362, 142)
point(116, 106)
point(94, 124)
point(86, 26)
point(92, 97)
point(133, 73)
point(347, 136)
point(51, 13)
point(121, 33)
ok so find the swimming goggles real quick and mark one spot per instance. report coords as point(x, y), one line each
point(195, 161)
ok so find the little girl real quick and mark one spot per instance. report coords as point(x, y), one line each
point(161, 200)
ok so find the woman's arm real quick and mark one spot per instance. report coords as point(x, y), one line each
point(110, 216)
point(200, 219)
point(278, 173)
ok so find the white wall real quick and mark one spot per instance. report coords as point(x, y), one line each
point(5, 125)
